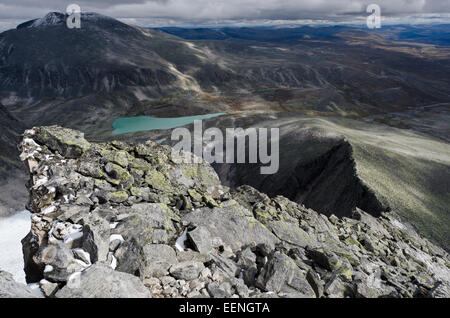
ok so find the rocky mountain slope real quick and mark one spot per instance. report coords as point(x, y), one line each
point(333, 165)
point(48, 60)
point(372, 166)
point(120, 219)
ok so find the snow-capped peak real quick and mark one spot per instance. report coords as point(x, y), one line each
point(52, 18)
point(58, 18)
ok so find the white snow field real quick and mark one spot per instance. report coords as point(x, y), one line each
point(12, 230)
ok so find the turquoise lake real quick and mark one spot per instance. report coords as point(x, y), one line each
point(126, 125)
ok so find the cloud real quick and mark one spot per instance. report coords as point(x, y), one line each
point(216, 11)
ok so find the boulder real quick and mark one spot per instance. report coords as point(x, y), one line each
point(48, 288)
point(101, 281)
point(96, 235)
point(325, 259)
point(158, 258)
point(11, 289)
point(201, 239)
point(233, 224)
point(227, 267)
point(69, 143)
point(281, 274)
point(148, 223)
point(60, 262)
point(219, 290)
point(246, 260)
point(188, 270)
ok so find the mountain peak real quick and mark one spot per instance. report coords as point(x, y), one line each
point(51, 18)
point(59, 18)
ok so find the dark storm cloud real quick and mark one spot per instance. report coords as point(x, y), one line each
point(198, 11)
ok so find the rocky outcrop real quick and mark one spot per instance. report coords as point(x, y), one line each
point(128, 213)
point(11, 289)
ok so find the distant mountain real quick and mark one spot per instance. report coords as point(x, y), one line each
point(430, 34)
point(261, 34)
point(438, 34)
point(44, 59)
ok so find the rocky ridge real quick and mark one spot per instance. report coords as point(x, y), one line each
point(123, 220)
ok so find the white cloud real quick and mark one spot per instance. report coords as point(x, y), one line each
point(173, 12)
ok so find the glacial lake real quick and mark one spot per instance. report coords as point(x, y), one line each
point(126, 125)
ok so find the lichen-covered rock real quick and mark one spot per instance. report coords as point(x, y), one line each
point(229, 225)
point(69, 143)
point(109, 216)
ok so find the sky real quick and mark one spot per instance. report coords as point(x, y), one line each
point(232, 12)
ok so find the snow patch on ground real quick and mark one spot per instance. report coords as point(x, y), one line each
point(36, 289)
point(114, 237)
point(12, 230)
point(180, 244)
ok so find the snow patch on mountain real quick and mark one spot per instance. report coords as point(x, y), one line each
point(12, 230)
point(58, 18)
point(52, 18)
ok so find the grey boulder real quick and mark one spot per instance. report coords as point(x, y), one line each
point(188, 270)
point(281, 275)
point(158, 259)
point(101, 281)
point(11, 289)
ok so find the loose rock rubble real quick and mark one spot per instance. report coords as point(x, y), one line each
point(124, 220)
